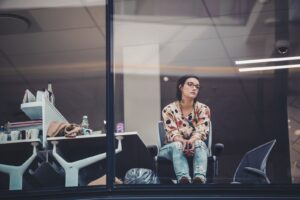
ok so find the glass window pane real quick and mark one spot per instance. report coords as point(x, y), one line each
point(252, 113)
point(52, 81)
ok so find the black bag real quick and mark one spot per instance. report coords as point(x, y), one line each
point(140, 176)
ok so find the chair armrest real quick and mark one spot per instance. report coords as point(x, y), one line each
point(153, 150)
point(218, 149)
point(211, 159)
point(257, 172)
point(214, 169)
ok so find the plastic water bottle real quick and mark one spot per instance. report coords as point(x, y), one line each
point(2, 131)
point(3, 135)
point(85, 122)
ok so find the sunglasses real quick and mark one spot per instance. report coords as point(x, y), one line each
point(191, 84)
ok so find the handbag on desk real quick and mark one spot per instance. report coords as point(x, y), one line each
point(57, 129)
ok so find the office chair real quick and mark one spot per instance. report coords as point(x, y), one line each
point(165, 170)
point(252, 168)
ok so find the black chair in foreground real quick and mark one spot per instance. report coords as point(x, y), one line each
point(165, 170)
point(252, 168)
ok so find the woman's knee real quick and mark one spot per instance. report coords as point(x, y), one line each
point(200, 143)
point(176, 146)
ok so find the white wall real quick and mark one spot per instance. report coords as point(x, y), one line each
point(142, 90)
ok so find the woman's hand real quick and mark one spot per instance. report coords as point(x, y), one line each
point(191, 143)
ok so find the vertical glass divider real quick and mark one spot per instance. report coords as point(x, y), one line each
point(110, 97)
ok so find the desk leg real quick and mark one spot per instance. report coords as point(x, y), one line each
point(16, 172)
point(71, 177)
point(72, 168)
point(16, 180)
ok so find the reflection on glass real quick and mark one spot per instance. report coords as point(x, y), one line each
point(52, 74)
point(156, 42)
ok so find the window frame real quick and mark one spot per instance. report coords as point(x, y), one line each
point(280, 191)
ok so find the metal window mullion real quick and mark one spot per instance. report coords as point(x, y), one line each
point(110, 145)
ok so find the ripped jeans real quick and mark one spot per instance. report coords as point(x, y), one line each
point(173, 151)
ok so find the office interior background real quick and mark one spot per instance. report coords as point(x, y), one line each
point(154, 43)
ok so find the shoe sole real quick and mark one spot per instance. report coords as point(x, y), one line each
point(198, 180)
point(184, 180)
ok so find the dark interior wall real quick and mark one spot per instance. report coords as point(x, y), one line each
point(85, 97)
point(244, 115)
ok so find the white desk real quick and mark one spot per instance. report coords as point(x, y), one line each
point(89, 136)
point(16, 172)
point(20, 141)
point(72, 168)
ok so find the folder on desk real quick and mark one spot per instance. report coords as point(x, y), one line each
point(24, 124)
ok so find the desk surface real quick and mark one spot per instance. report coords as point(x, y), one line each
point(89, 136)
point(20, 141)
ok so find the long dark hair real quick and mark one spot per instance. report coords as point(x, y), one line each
point(181, 81)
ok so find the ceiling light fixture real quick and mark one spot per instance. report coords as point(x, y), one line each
point(265, 60)
point(250, 69)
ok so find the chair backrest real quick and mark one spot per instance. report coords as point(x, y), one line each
point(162, 133)
point(255, 158)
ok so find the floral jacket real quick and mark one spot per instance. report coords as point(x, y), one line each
point(196, 124)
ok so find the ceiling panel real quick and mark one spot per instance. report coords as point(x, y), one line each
point(161, 8)
point(33, 4)
point(103, 30)
point(8, 73)
point(4, 63)
point(191, 50)
point(93, 2)
point(202, 68)
point(62, 18)
point(204, 21)
point(98, 14)
point(193, 33)
point(231, 7)
point(257, 24)
point(61, 58)
point(246, 47)
point(87, 63)
point(218, 62)
point(69, 40)
point(143, 33)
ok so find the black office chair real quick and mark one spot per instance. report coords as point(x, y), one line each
point(252, 168)
point(165, 170)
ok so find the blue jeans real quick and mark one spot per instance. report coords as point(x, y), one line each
point(173, 151)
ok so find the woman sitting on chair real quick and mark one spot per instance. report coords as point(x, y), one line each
point(187, 125)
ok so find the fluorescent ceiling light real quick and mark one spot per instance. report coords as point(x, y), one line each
point(244, 62)
point(250, 69)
